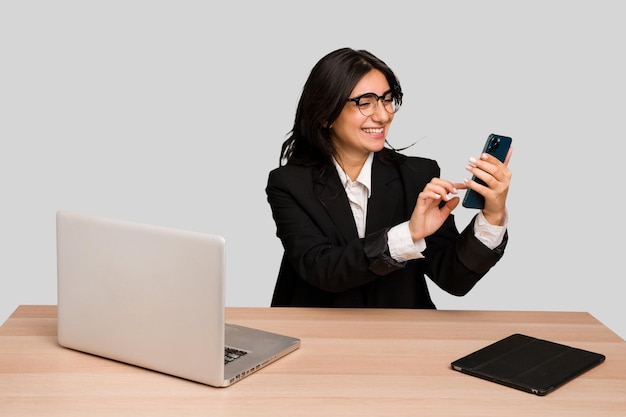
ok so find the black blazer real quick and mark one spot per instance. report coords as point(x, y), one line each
point(326, 264)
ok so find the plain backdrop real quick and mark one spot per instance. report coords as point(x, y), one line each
point(173, 113)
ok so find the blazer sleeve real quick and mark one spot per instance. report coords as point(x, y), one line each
point(454, 261)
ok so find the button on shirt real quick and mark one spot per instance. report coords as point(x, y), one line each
point(401, 245)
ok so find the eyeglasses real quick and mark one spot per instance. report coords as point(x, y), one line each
point(368, 103)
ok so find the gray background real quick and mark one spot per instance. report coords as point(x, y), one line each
point(173, 113)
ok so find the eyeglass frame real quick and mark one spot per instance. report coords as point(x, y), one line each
point(394, 96)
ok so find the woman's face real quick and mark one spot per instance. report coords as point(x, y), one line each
point(355, 135)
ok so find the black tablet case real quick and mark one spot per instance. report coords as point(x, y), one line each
point(529, 364)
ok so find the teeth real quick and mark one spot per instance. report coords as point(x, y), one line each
point(373, 130)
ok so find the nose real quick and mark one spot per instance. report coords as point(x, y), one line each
point(380, 113)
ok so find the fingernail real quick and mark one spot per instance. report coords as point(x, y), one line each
point(472, 160)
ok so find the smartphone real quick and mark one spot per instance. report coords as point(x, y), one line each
point(497, 146)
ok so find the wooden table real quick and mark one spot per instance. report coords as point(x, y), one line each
point(352, 362)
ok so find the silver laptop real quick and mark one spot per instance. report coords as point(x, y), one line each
point(153, 297)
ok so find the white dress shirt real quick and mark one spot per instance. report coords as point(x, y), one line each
point(401, 245)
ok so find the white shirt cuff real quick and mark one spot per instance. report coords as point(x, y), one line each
point(401, 245)
point(487, 233)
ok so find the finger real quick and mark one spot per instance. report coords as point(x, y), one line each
point(487, 162)
point(480, 173)
point(429, 195)
point(476, 186)
point(439, 193)
point(451, 205)
point(442, 186)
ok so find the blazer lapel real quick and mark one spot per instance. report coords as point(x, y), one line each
point(331, 194)
point(384, 208)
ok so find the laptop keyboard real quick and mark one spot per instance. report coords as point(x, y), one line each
point(230, 354)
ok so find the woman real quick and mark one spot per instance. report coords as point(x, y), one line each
point(361, 224)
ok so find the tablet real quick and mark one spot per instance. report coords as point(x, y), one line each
point(529, 364)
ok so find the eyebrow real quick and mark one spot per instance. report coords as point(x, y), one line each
point(365, 94)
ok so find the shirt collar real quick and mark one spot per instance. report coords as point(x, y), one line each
point(364, 178)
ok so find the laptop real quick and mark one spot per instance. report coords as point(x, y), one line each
point(528, 364)
point(153, 297)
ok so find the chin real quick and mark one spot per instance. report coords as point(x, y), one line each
point(375, 147)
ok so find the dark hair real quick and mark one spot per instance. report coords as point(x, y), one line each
point(323, 98)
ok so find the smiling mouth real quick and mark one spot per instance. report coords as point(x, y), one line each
point(374, 131)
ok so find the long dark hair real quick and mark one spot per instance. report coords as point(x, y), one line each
point(323, 98)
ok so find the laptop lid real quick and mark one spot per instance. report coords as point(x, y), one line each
point(153, 297)
point(528, 364)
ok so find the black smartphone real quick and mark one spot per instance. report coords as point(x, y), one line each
point(497, 146)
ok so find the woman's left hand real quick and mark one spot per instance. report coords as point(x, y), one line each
point(497, 176)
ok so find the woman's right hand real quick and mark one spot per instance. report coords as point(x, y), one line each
point(427, 216)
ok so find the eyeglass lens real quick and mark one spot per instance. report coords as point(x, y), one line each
point(368, 103)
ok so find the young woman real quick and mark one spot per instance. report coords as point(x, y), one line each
point(362, 224)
